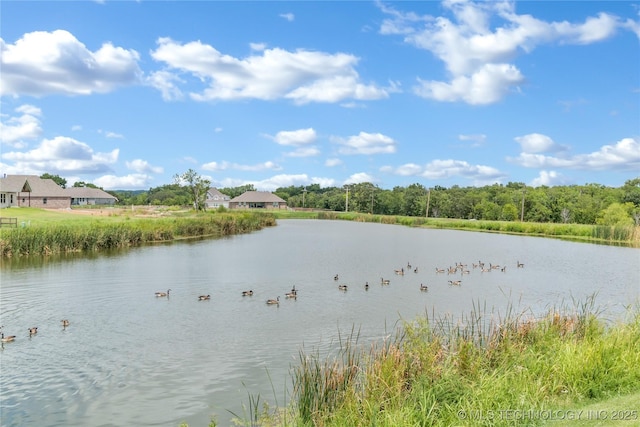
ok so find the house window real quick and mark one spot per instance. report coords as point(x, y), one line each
point(11, 198)
point(3, 198)
point(44, 200)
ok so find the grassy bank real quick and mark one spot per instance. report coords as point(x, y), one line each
point(481, 370)
point(44, 232)
point(627, 235)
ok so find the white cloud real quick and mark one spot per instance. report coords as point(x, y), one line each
point(592, 30)
point(479, 42)
point(358, 178)
point(296, 137)
point(549, 179)
point(63, 155)
point(335, 89)
point(443, 169)
point(167, 83)
point(127, 182)
point(277, 181)
point(333, 162)
point(304, 152)
point(259, 47)
point(477, 138)
point(109, 134)
point(366, 143)
point(409, 169)
point(537, 143)
point(633, 26)
point(42, 63)
point(623, 155)
point(323, 182)
point(302, 75)
point(487, 85)
point(142, 166)
point(288, 16)
point(217, 167)
point(15, 130)
point(283, 180)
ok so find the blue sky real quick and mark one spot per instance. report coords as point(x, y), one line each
point(127, 94)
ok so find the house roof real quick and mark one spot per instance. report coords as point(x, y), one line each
point(258, 197)
point(88, 193)
point(215, 192)
point(39, 187)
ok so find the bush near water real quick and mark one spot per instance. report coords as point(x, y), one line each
point(481, 370)
point(74, 234)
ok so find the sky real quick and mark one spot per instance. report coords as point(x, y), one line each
point(126, 94)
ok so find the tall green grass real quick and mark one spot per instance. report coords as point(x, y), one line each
point(104, 233)
point(445, 371)
point(620, 234)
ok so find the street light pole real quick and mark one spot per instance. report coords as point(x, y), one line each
point(428, 200)
point(346, 208)
point(372, 190)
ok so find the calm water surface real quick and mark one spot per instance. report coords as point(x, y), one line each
point(129, 358)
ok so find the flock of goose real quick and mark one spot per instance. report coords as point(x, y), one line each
point(457, 268)
point(32, 331)
point(292, 294)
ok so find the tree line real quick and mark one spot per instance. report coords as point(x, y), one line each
point(584, 204)
point(515, 201)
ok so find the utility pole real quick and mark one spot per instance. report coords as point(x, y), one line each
point(428, 200)
point(346, 209)
point(372, 191)
point(304, 192)
point(522, 208)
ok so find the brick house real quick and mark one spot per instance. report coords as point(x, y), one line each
point(81, 196)
point(257, 200)
point(32, 191)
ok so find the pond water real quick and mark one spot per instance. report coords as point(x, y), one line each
point(130, 358)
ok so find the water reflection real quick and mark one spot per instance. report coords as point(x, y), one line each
point(129, 358)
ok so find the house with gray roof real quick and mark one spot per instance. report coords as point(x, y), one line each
point(82, 196)
point(32, 191)
point(257, 200)
point(215, 199)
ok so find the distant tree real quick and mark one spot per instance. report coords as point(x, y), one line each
point(509, 212)
point(236, 191)
point(414, 200)
point(197, 185)
point(85, 184)
point(617, 214)
point(56, 178)
point(171, 194)
point(631, 191)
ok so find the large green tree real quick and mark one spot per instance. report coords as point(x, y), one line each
point(197, 186)
point(56, 178)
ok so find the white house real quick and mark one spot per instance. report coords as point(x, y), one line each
point(215, 199)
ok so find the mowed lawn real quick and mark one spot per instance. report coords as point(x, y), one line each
point(615, 412)
point(38, 217)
